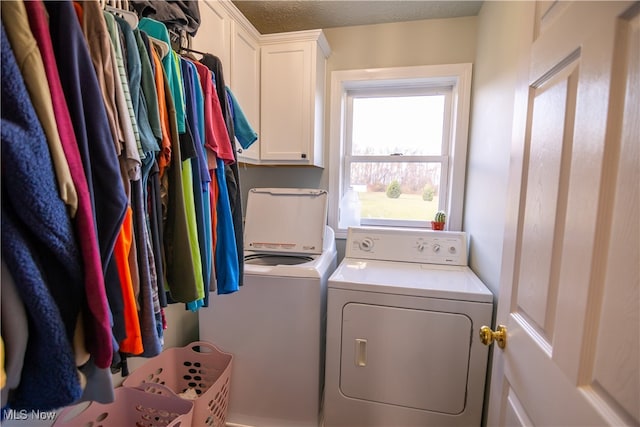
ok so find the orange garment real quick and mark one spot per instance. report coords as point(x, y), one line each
point(3, 374)
point(133, 342)
point(164, 159)
point(79, 11)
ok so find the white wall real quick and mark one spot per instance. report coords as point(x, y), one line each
point(425, 42)
point(494, 83)
point(500, 25)
point(488, 42)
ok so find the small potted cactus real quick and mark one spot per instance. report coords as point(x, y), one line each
point(439, 220)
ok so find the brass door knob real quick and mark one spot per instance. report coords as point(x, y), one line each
point(487, 336)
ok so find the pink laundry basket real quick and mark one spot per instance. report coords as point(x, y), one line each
point(199, 366)
point(150, 405)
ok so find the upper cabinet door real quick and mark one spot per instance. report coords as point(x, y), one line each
point(245, 83)
point(292, 98)
point(215, 36)
point(286, 102)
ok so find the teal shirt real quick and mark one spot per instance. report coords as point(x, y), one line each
point(149, 93)
point(158, 30)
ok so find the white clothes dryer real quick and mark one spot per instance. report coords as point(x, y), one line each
point(275, 324)
point(403, 316)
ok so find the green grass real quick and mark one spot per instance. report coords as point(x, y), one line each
point(407, 206)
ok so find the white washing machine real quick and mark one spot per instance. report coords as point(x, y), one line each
point(403, 316)
point(275, 324)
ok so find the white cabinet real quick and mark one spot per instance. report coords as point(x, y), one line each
point(214, 35)
point(226, 34)
point(245, 83)
point(292, 98)
point(278, 80)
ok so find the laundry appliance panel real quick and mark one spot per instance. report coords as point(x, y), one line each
point(402, 339)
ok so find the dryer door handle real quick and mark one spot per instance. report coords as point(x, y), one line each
point(361, 352)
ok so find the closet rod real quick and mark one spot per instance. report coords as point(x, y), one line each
point(186, 49)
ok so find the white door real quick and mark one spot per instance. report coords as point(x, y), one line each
point(570, 277)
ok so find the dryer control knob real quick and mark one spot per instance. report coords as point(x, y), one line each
point(436, 248)
point(366, 244)
point(452, 249)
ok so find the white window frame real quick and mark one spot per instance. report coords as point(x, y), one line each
point(457, 76)
point(442, 159)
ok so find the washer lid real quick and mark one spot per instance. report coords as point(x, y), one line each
point(285, 220)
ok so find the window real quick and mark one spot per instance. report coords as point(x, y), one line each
point(398, 139)
point(396, 153)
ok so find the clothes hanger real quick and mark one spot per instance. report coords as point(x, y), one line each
point(177, 37)
point(121, 8)
point(161, 45)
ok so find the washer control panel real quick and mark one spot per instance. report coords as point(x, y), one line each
point(407, 245)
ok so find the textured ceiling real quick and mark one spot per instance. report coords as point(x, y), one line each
point(269, 16)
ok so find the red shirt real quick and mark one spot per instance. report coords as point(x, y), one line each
point(216, 135)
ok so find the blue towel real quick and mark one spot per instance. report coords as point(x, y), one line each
point(37, 240)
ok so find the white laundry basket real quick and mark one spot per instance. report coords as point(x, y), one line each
point(150, 405)
point(199, 366)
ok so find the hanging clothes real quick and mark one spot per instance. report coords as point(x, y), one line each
point(30, 64)
point(95, 141)
point(178, 15)
point(227, 269)
point(150, 339)
point(231, 170)
point(205, 179)
point(182, 279)
point(219, 151)
point(143, 215)
point(151, 179)
point(200, 172)
point(15, 332)
point(97, 325)
point(21, 37)
point(245, 135)
point(36, 244)
point(159, 31)
point(132, 341)
point(103, 58)
point(216, 133)
point(148, 114)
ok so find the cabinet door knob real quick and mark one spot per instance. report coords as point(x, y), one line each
point(303, 155)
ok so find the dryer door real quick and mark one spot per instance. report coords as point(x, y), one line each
point(406, 357)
